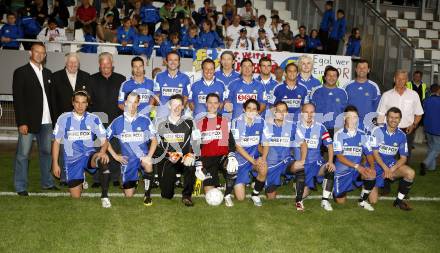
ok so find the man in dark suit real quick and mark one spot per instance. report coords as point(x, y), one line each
point(31, 92)
point(104, 90)
point(64, 83)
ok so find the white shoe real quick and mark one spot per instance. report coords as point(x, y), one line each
point(326, 205)
point(365, 205)
point(106, 203)
point(299, 206)
point(85, 185)
point(228, 201)
point(257, 200)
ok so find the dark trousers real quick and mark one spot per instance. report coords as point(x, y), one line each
point(410, 142)
point(332, 46)
point(114, 166)
point(323, 37)
point(167, 178)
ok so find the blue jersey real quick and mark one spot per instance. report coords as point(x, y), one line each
point(331, 101)
point(389, 144)
point(125, 36)
point(352, 146)
point(240, 91)
point(149, 14)
point(188, 41)
point(199, 91)
point(92, 49)
point(311, 84)
point(313, 44)
point(227, 79)
point(144, 89)
point(294, 98)
point(78, 134)
point(269, 86)
point(281, 140)
point(165, 86)
point(365, 96)
point(30, 26)
point(431, 120)
point(315, 136)
point(210, 40)
point(353, 47)
point(12, 32)
point(132, 134)
point(338, 30)
point(247, 136)
point(140, 40)
point(327, 20)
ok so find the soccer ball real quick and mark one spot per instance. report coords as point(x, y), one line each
point(214, 197)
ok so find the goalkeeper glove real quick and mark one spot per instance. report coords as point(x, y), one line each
point(232, 166)
point(188, 160)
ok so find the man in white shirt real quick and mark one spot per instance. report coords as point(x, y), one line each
point(264, 43)
point(51, 35)
point(233, 31)
point(407, 101)
point(261, 25)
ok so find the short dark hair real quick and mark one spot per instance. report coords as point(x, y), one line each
point(351, 108)
point(262, 16)
point(228, 52)
point(281, 102)
point(302, 26)
point(212, 94)
point(81, 93)
point(263, 59)
point(331, 68)
point(41, 44)
point(340, 11)
point(126, 19)
point(312, 104)
point(176, 96)
point(248, 2)
point(394, 110)
point(291, 64)
point(207, 60)
point(137, 58)
point(363, 61)
point(418, 72)
point(245, 60)
point(329, 3)
point(251, 101)
point(132, 94)
point(172, 52)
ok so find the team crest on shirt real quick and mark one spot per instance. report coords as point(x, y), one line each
point(367, 94)
point(338, 100)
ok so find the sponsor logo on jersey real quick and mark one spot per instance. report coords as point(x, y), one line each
point(249, 141)
point(132, 137)
point(174, 137)
point(243, 97)
point(279, 141)
point(352, 151)
point(81, 135)
point(388, 150)
point(202, 98)
point(144, 97)
point(168, 92)
point(212, 135)
point(312, 143)
point(292, 102)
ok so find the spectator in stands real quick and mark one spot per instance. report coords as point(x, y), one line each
point(300, 40)
point(191, 40)
point(29, 25)
point(233, 31)
point(150, 16)
point(242, 42)
point(205, 12)
point(264, 43)
point(89, 37)
point(158, 40)
point(279, 75)
point(10, 32)
point(354, 43)
point(209, 38)
point(326, 23)
point(143, 42)
point(407, 101)
point(104, 90)
point(418, 85)
point(166, 11)
point(228, 11)
point(173, 44)
point(86, 14)
point(337, 33)
point(60, 13)
point(261, 25)
point(432, 129)
point(39, 10)
point(30, 87)
point(314, 44)
point(285, 39)
point(275, 27)
point(164, 28)
point(182, 6)
point(135, 22)
point(106, 31)
point(186, 22)
point(111, 7)
point(247, 14)
point(125, 35)
point(136, 9)
point(51, 35)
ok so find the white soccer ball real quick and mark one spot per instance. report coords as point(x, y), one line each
point(214, 197)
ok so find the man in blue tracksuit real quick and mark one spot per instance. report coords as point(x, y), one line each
point(149, 16)
point(125, 35)
point(337, 33)
point(10, 32)
point(327, 21)
point(30, 26)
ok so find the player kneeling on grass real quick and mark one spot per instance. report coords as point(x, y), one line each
point(317, 170)
point(134, 131)
point(387, 142)
point(349, 145)
point(217, 149)
point(78, 130)
point(279, 137)
point(175, 141)
point(247, 130)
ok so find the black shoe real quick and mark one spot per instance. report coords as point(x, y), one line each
point(148, 201)
point(402, 205)
point(422, 169)
point(96, 185)
point(62, 183)
point(52, 188)
point(187, 202)
point(23, 193)
point(116, 183)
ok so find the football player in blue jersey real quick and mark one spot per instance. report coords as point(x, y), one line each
point(226, 73)
point(243, 89)
point(78, 130)
point(349, 144)
point(266, 79)
point(200, 89)
point(317, 170)
point(137, 83)
point(291, 92)
point(134, 131)
point(168, 83)
point(279, 137)
point(389, 141)
point(247, 130)
point(305, 77)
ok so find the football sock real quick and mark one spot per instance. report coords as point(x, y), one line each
point(300, 185)
point(327, 185)
point(258, 187)
point(148, 180)
point(104, 178)
point(230, 181)
point(366, 189)
point(404, 187)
